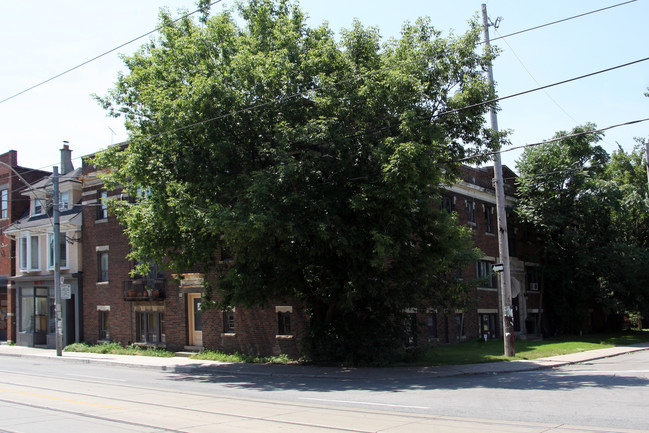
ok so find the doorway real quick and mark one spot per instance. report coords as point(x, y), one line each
point(194, 316)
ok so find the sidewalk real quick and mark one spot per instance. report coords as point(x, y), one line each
point(180, 364)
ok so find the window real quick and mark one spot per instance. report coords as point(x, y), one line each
point(410, 327)
point(447, 204)
point(485, 273)
point(63, 251)
point(149, 327)
point(489, 219)
point(470, 211)
point(459, 325)
point(432, 325)
point(102, 266)
point(37, 209)
point(488, 325)
point(64, 200)
point(103, 325)
point(533, 278)
point(29, 260)
point(4, 203)
point(228, 321)
point(35, 310)
point(102, 207)
point(284, 322)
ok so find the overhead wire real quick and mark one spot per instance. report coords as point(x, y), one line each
point(106, 53)
point(562, 20)
point(284, 98)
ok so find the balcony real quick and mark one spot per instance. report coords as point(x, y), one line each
point(144, 289)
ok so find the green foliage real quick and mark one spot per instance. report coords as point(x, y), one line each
point(118, 349)
point(315, 163)
point(210, 355)
point(591, 212)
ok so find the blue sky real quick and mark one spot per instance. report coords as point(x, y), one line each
point(41, 39)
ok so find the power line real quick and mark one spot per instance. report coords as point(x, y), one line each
point(563, 137)
point(491, 101)
point(106, 53)
point(562, 20)
point(535, 80)
point(218, 1)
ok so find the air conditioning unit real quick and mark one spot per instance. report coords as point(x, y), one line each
point(534, 286)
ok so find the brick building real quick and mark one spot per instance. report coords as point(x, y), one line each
point(474, 201)
point(159, 310)
point(13, 205)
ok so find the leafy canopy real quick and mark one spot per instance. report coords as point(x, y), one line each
point(315, 163)
point(591, 211)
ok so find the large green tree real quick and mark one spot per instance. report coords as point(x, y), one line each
point(588, 209)
point(315, 162)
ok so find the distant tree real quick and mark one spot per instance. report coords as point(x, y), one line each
point(585, 205)
point(316, 164)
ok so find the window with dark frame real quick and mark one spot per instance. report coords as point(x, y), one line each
point(459, 325)
point(102, 207)
point(410, 326)
point(149, 327)
point(488, 325)
point(489, 219)
point(284, 323)
point(4, 203)
point(228, 321)
point(104, 335)
point(432, 324)
point(470, 211)
point(102, 266)
point(485, 273)
point(532, 275)
point(447, 204)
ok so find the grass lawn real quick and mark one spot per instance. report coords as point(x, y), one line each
point(470, 352)
point(474, 352)
point(118, 349)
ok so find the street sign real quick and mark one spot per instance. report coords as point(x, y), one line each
point(498, 267)
point(66, 291)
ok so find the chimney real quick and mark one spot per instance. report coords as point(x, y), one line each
point(66, 159)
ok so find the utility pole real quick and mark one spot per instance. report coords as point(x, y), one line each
point(57, 262)
point(503, 246)
point(646, 160)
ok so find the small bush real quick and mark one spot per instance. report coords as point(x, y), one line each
point(210, 355)
point(118, 349)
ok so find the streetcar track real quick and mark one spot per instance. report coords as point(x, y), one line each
point(87, 415)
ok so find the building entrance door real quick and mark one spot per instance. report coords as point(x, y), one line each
point(194, 301)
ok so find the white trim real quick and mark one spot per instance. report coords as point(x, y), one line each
point(101, 248)
point(284, 309)
point(103, 307)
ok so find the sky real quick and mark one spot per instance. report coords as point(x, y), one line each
point(41, 39)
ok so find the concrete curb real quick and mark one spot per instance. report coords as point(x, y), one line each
point(183, 365)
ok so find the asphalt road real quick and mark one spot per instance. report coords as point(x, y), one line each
point(610, 394)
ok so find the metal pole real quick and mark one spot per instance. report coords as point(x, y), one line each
point(57, 262)
point(503, 246)
point(646, 160)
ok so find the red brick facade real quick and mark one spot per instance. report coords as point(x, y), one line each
point(12, 207)
point(112, 313)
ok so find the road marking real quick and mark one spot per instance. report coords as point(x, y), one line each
point(365, 403)
point(602, 371)
point(96, 377)
point(50, 397)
